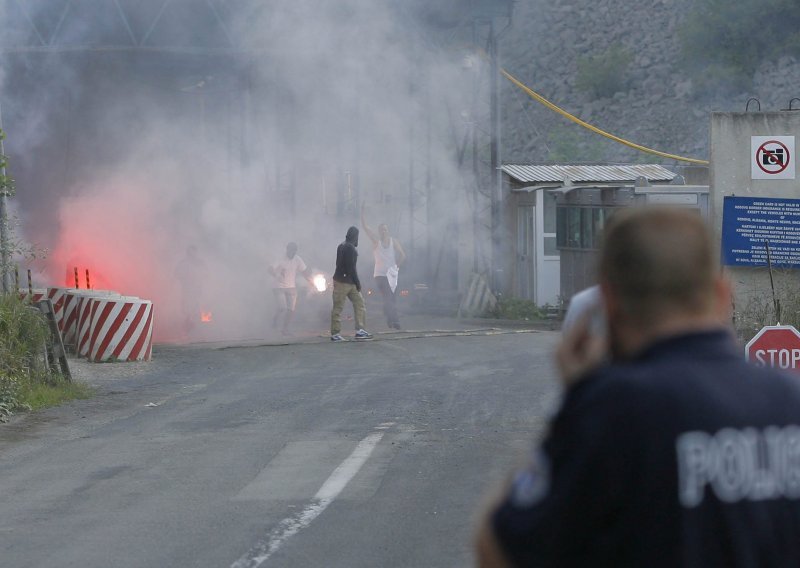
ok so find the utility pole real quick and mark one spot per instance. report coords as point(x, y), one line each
point(412, 201)
point(496, 180)
point(487, 17)
point(476, 173)
point(5, 239)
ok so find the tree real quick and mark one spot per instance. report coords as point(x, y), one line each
point(6, 246)
point(604, 74)
point(10, 245)
point(724, 42)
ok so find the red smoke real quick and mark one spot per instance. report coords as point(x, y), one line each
point(118, 234)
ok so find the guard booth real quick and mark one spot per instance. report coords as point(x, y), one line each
point(542, 268)
point(582, 211)
point(530, 216)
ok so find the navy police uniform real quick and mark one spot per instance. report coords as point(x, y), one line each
point(685, 456)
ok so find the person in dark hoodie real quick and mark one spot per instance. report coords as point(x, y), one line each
point(347, 285)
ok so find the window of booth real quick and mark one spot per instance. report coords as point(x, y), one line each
point(549, 200)
point(581, 227)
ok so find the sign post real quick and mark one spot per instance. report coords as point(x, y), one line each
point(775, 346)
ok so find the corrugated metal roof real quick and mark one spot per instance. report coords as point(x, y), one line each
point(587, 174)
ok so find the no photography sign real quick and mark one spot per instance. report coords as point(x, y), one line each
point(772, 157)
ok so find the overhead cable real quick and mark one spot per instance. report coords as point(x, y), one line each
point(536, 96)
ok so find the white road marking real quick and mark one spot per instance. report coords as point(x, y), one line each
point(297, 471)
point(331, 489)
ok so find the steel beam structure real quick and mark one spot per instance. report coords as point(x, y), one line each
point(127, 25)
point(472, 35)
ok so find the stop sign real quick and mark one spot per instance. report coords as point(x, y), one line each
point(775, 346)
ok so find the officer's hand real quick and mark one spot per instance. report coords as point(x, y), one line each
point(580, 351)
point(487, 548)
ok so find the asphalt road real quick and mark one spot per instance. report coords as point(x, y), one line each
point(373, 454)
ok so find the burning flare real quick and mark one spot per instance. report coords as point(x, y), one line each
point(320, 283)
point(205, 317)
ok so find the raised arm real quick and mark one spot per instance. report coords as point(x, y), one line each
point(367, 229)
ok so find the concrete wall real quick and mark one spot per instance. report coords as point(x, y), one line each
point(731, 175)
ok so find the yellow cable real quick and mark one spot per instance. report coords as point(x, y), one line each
point(577, 120)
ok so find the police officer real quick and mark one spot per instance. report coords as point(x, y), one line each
point(674, 453)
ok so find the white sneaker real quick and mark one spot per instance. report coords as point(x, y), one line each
point(337, 337)
point(363, 334)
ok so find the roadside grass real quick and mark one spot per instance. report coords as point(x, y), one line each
point(26, 382)
point(38, 395)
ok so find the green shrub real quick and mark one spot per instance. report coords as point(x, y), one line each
point(604, 74)
point(517, 309)
point(23, 332)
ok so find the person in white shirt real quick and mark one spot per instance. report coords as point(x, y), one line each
point(285, 288)
point(389, 256)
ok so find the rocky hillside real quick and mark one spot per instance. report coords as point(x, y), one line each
point(554, 46)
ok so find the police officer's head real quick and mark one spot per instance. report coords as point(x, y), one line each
point(659, 265)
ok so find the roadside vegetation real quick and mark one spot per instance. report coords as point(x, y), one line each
point(759, 308)
point(26, 381)
point(516, 309)
point(23, 333)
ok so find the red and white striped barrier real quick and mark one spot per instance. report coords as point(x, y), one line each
point(57, 296)
point(83, 319)
point(70, 316)
point(71, 312)
point(38, 295)
point(121, 329)
point(84, 324)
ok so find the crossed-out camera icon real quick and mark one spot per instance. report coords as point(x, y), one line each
point(774, 157)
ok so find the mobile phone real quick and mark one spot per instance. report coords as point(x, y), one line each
point(588, 301)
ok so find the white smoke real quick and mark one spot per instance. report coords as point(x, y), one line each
point(130, 159)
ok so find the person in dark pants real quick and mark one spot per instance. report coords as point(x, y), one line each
point(346, 285)
point(389, 256)
point(668, 448)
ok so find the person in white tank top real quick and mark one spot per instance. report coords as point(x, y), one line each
point(389, 256)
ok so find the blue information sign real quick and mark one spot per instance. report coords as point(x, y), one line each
point(749, 223)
